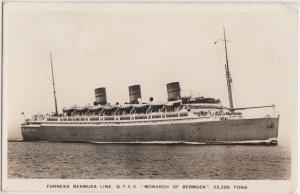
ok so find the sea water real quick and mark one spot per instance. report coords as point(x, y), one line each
point(143, 161)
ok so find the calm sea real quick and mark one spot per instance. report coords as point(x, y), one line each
point(125, 161)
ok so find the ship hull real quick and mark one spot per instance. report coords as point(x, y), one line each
point(259, 130)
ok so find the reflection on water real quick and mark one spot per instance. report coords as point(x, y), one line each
point(104, 161)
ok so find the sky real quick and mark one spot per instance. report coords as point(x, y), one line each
point(117, 45)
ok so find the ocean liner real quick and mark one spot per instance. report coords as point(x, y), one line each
point(198, 120)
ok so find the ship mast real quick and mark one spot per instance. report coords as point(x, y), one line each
point(53, 83)
point(228, 76)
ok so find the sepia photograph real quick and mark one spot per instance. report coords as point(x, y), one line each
point(149, 91)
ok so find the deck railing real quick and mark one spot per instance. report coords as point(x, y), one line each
point(132, 117)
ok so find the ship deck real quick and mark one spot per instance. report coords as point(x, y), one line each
point(135, 119)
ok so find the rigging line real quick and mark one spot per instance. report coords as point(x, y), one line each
point(43, 95)
point(228, 74)
point(41, 100)
point(217, 71)
point(293, 9)
point(224, 93)
point(235, 94)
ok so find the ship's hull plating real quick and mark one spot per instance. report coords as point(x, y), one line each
point(263, 130)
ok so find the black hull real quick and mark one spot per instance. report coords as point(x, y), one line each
point(242, 131)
